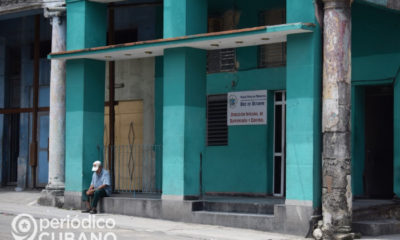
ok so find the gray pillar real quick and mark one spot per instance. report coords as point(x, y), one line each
point(53, 194)
point(336, 158)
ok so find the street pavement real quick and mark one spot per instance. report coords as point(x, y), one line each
point(70, 224)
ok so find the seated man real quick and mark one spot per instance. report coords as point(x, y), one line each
point(99, 187)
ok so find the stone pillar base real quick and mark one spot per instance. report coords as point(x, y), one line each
point(53, 198)
point(73, 200)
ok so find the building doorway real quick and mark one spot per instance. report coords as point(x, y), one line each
point(378, 170)
point(129, 154)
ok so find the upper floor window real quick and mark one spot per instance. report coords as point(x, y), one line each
point(222, 60)
point(272, 55)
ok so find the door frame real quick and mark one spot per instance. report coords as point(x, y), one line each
point(281, 154)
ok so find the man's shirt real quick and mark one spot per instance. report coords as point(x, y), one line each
point(100, 179)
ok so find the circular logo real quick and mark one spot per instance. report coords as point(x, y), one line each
point(232, 101)
point(24, 227)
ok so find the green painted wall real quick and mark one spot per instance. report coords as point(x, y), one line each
point(184, 99)
point(184, 17)
point(184, 120)
point(84, 120)
point(86, 24)
point(85, 84)
point(245, 164)
point(303, 122)
point(376, 58)
point(247, 167)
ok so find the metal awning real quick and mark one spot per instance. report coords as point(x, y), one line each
point(208, 41)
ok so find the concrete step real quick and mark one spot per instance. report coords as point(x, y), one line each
point(263, 222)
point(376, 212)
point(234, 207)
point(377, 227)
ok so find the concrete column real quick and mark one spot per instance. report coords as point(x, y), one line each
point(336, 159)
point(84, 125)
point(85, 89)
point(184, 121)
point(184, 17)
point(55, 187)
point(57, 108)
point(303, 121)
point(184, 101)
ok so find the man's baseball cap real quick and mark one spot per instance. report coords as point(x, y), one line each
point(96, 165)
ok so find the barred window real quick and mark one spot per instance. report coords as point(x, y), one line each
point(221, 60)
point(217, 127)
point(272, 55)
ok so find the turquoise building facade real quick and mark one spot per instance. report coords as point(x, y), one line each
point(245, 161)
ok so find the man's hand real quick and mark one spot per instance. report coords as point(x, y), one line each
point(90, 192)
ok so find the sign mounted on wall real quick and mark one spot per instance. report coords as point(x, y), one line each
point(247, 108)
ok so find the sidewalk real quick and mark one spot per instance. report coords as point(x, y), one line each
point(13, 203)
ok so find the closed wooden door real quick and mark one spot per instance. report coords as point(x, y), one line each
point(128, 159)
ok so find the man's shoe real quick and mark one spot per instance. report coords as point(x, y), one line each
point(87, 210)
point(93, 211)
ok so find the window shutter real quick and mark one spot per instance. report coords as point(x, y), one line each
point(223, 60)
point(217, 127)
point(272, 55)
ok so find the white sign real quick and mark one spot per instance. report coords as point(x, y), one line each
point(247, 108)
